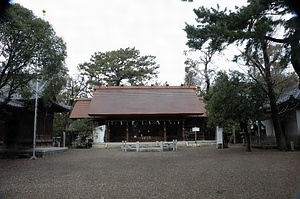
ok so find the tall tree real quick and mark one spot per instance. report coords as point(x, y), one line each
point(271, 78)
point(191, 77)
point(200, 70)
point(29, 48)
point(75, 87)
point(253, 26)
point(234, 99)
point(259, 20)
point(123, 66)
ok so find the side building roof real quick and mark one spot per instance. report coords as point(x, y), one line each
point(81, 108)
point(292, 93)
point(19, 102)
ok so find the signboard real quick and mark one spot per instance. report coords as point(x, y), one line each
point(195, 129)
point(219, 135)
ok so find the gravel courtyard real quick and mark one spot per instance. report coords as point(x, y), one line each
point(203, 172)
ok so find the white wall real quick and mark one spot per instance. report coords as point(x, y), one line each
point(291, 126)
point(99, 133)
point(298, 122)
point(269, 127)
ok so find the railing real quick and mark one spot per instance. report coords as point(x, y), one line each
point(160, 146)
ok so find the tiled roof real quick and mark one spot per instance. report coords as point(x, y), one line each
point(13, 103)
point(202, 104)
point(293, 92)
point(59, 107)
point(17, 100)
point(146, 100)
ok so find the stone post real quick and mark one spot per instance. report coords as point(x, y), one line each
point(64, 139)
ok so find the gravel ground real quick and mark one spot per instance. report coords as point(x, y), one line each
point(204, 172)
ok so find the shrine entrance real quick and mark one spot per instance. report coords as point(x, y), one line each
point(145, 130)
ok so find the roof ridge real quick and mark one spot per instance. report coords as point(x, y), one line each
point(143, 87)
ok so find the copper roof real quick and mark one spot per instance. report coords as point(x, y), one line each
point(81, 108)
point(202, 104)
point(145, 100)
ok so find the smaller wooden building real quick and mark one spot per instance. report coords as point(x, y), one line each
point(17, 123)
point(144, 113)
point(289, 109)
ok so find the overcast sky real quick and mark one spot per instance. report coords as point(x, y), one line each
point(155, 27)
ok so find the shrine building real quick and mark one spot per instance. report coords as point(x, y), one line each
point(144, 113)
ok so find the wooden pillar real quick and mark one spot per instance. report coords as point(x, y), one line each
point(165, 132)
point(183, 135)
point(108, 132)
point(202, 130)
point(127, 132)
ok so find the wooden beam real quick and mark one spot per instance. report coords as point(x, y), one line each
point(108, 132)
point(165, 132)
point(127, 132)
point(183, 135)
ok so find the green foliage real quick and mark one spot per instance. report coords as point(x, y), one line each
point(59, 124)
point(266, 69)
point(256, 27)
point(29, 48)
point(250, 25)
point(84, 127)
point(234, 98)
point(123, 66)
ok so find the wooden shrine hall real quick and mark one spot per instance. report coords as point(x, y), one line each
point(144, 113)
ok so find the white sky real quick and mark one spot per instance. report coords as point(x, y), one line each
point(155, 27)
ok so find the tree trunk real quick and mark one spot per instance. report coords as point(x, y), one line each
point(244, 125)
point(207, 79)
point(295, 52)
point(280, 138)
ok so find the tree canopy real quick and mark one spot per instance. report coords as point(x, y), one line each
point(234, 99)
point(259, 21)
point(29, 48)
point(257, 28)
point(122, 66)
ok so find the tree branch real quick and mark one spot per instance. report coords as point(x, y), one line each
point(282, 41)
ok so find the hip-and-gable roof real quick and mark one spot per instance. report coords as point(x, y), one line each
point(145, 100)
